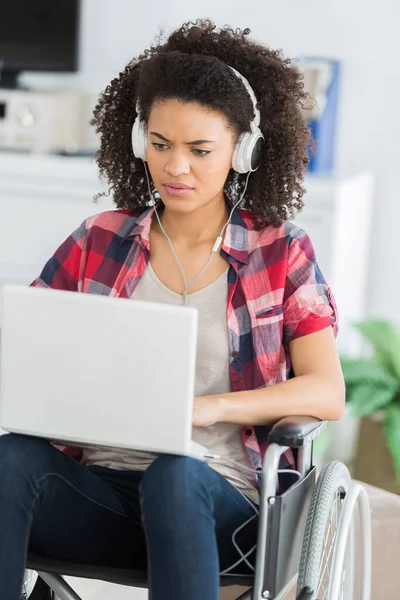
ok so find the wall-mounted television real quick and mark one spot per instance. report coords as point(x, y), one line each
point(37, 35)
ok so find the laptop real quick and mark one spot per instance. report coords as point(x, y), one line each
point(97, 371)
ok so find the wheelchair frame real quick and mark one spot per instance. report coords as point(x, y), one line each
point(282, 523)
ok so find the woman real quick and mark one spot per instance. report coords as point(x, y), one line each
point(204, 140)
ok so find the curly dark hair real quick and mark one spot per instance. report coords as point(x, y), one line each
point(191, 65)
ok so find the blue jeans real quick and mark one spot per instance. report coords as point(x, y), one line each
point(176, 519)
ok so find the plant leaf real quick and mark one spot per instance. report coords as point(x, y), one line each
point(365, 399)
point(385, 340)
point(322, 442)
point(392, 434)
point(360, 370)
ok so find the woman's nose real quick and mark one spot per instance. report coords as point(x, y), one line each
point(177, 164)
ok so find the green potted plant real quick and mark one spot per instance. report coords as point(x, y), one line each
point(373, 394)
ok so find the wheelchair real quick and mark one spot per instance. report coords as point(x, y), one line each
point(306, 535)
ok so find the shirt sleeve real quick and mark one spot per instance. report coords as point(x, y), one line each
point(308, 305)
point(64, 270)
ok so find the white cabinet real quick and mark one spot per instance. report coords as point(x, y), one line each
point(44, 198)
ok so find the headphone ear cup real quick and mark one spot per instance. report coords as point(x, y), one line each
point(243, 159)
point(238, 163)
point(139, 139)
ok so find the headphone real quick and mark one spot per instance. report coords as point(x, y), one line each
point(246, 156)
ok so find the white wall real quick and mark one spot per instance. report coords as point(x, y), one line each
point(362, 33)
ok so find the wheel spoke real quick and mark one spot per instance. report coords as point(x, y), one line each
point(321, 534)
point(327, 549)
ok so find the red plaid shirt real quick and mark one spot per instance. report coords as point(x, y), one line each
point(276, 292)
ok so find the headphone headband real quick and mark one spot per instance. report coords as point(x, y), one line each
point(257, 118)
point(246, 154)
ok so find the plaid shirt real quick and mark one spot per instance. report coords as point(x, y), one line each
point(276, 292)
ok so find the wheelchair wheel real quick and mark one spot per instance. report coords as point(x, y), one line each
point(320, 536)
point(34, 588)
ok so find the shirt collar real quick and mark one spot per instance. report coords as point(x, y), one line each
point(236, 238)
point(141, 227)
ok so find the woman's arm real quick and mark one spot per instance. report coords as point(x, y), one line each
point(317, 390)
point(63, 270)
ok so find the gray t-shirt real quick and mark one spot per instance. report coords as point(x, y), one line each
point(212, 377)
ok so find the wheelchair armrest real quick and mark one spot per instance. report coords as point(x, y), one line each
point(296, 432)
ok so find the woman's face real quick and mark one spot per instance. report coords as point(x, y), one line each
point(189, 154)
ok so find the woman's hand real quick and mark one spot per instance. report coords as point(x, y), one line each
point(207, 410)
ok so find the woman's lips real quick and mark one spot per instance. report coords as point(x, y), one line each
point(177, 191)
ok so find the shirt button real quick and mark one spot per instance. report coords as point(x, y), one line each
point(248, 432)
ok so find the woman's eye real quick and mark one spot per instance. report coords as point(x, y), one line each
point(199, 152)
point(158, 146)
